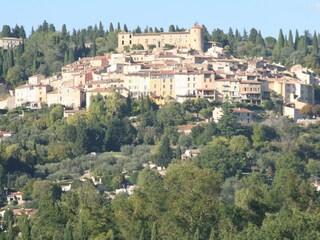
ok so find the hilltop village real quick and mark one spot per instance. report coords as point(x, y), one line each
point(168, 137)
point(172, 65)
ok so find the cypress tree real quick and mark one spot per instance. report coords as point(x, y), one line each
point(111, 29)
point(165, 152)
point(315, 45)
point(290, 40)
point(101, 30)
point(296, 40)
point(259, 40)
point(212, 234)
point(196, 235)
point(66, 58)
point(178, 152)
point(68, 232)
point(119, 27)
point(71, 55)
point(280, 42)
point(64, 32)
point(125, 28)
point(154, 232)
point(10, 232)
point(24, 227)
point(141, 235)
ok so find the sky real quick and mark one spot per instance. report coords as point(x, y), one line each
point(265, 15)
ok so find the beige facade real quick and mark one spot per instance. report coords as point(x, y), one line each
point(10, 42)
point(192, 39)
point(31, 95)
point(73, 97)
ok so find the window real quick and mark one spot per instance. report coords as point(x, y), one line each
point(163, 80)
point(171, 87)
point(130, 42)
point(122, 42)
point(155, 86)
point(164, 93)
point(163, 86)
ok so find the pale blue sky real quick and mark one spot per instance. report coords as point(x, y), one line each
point(265, 15)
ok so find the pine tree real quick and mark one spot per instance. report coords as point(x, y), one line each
point(138, 30)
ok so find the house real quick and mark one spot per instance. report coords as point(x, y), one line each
point(186, 129)
point(67, 113)
point(14, 197)
point(10, 42)
point(31, 95)
point(5, 135)
point(244, 116)
point(190, 153)
point(73, 97)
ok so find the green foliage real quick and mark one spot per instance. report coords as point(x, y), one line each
point(165, 154)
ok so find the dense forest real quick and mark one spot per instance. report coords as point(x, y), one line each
point(46, 49)
point(248, 182)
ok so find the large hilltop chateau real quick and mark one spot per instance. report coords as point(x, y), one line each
point(192, 39)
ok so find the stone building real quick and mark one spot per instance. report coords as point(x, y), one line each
point(191, 39)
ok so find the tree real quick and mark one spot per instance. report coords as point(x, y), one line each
point(228, 123)
point(15, 76)
point(24, 227)
point(125, 28)
point(193, 194)
point(111, 28)
point(172, 28)
point(306, 110)
point(68, 232)
point(154, 232)
point(6, 31)
point(315, 45)
point(165, 154)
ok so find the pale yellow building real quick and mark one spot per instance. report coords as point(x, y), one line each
point(162, 86)
point(192, 39)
